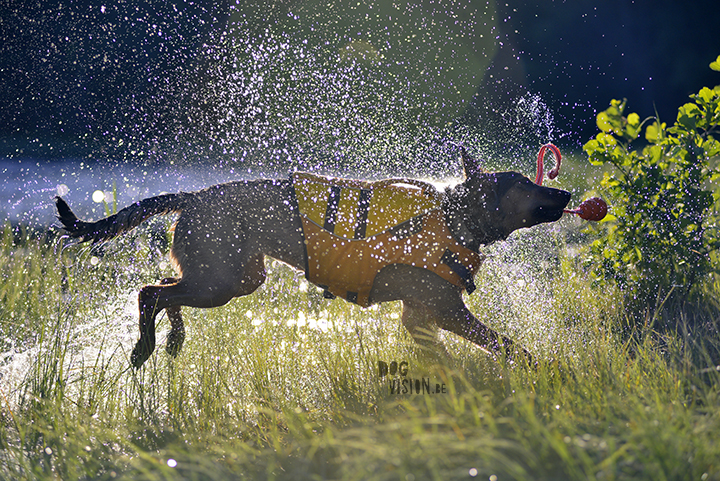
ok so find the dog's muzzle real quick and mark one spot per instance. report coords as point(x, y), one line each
point(552, 209)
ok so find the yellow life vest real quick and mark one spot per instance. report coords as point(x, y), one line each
point(353, 229)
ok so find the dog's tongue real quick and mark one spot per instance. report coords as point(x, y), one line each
point(594, 209)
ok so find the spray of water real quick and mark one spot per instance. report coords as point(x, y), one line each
point(330, 86)
point(379, 89)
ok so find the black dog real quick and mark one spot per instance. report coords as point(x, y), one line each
point(224, 232)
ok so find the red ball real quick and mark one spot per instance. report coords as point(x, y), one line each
point(594, 209)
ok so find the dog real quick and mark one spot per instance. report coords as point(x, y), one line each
point(224, 232)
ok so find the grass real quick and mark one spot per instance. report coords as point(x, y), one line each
point(284, 384)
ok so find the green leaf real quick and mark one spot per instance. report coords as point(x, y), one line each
point(687, 116)
point(610, 120)
point(591, 146)
point(707, 94)
point(716, 64)
point(603, 122)
point(606, 140)
point(632, 128)
point(654, 132)
point(712, 147)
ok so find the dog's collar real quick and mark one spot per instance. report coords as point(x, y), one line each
point(460, 231)
point(465, 227)
point(484, 233)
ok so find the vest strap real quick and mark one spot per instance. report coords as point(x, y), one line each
point(362, 213)
point(332, 208)
point(450, 259)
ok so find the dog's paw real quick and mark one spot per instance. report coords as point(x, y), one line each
point(515, 353)
point(528, 358)
point(175, 341)
point(141, 353)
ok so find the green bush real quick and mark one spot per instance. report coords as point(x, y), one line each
point(664, 228)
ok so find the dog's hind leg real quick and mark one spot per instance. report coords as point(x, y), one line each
point(422, 324)
point(202, 288)
point(176, 336)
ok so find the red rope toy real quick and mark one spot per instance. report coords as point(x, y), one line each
point(593, 209)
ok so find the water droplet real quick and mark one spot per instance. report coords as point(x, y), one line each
point(98, 196)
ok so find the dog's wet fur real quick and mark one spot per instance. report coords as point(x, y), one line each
point(224, 232)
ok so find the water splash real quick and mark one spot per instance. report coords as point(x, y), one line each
point(104, 338)
point(369, 89)
point(374, 89)
point(291, 92)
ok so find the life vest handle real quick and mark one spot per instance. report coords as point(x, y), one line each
point(428, 189)
point(540, 163)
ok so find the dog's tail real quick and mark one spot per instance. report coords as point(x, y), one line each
point(125, 219)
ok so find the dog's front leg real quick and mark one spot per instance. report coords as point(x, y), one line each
point(462, 322)
point(421, 323)
point(430, 302)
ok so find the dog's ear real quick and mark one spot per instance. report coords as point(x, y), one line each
point(470, 165)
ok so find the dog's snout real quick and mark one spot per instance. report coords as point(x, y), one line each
point(551, 207)
point(565, 196)
point(559, 196)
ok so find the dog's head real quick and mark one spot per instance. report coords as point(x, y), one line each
point(495, 204)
